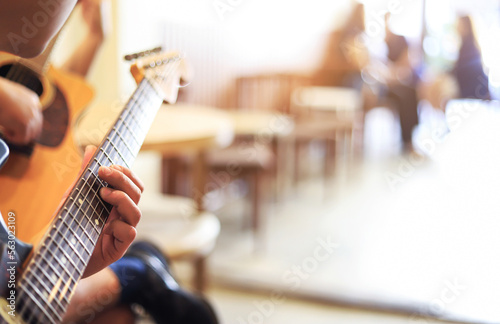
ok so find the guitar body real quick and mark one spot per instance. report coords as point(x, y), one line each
point(33, 183)
point(64, 233)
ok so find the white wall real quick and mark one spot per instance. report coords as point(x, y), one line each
point(246, 38)
point(257, 35)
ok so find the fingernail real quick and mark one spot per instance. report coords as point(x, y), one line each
point(105, 171)
point(105, 192)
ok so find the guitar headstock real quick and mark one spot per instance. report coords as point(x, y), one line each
point(168, 70)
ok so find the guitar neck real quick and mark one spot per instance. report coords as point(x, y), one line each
point(59, 262)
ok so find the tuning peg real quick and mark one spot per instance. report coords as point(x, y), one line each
point(135, 56)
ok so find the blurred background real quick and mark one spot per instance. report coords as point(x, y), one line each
point(328, 162)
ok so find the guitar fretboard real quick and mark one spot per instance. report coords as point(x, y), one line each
point(60, 260)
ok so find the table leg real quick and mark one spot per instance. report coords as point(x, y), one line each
point(169, 169)
point(199, 173)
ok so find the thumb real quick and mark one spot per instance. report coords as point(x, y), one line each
point(89, 152)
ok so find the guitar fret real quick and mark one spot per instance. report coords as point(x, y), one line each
point(48, 289)
point(125, 126)
point(64, 261)
point(101, 160)
point(53, 311)
point(140, 98)
point(95, 172)
point(66, 256)
point(83, 228)
point(138, 108)
point(77, 238)
point(113, 155)
point(63, 254)
point(76, 234)
point(58, 273)
point(96, 202)
point(96, 192)
point(46, 275)
point(40, 307)
point(81, 221)
point(75, 251)
point(140, 121)
point(117, 132)
point(130, 131)
point(119, 153)
point(98, 162)
point(126, 138)
point(43, 272)
point(92, 205)
point(86, 216)
point(50, 265)
point(138, 126)
point(107, 156)
point(141, 116)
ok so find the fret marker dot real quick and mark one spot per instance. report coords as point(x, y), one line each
point(54, 277)
point(73, 241)
point(80, 201)
point(63, 260)
point(97, 222)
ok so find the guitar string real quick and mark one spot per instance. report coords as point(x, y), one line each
point(84, 228)
point(18, 73)
point(24, 70)
point(22, 75)
point(13, 71)
point(117, 151)
point(115, 134)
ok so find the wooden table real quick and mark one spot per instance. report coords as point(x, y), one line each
point(260, 123)
point(195, 129)
point(176, 130)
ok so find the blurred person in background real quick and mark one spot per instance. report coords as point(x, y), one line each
point(468, 69)
point(346, 53)
point(401, 81)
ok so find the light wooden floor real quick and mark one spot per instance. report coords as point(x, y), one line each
point(239, 307)
point(419, 236)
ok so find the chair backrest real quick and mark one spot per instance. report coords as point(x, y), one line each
point(335, 99)
point(268, 92)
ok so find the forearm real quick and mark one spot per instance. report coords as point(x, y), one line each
point(82, 57)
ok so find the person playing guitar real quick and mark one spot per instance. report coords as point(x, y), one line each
point(142, 276)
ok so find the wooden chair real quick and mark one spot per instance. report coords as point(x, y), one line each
point(335, 112)
point(175, 225)
point(327, 114)
point(331, 114)
point(270, 92)
point(246, 161)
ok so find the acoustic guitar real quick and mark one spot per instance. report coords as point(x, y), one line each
point(42, 290)
point(36, 176)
